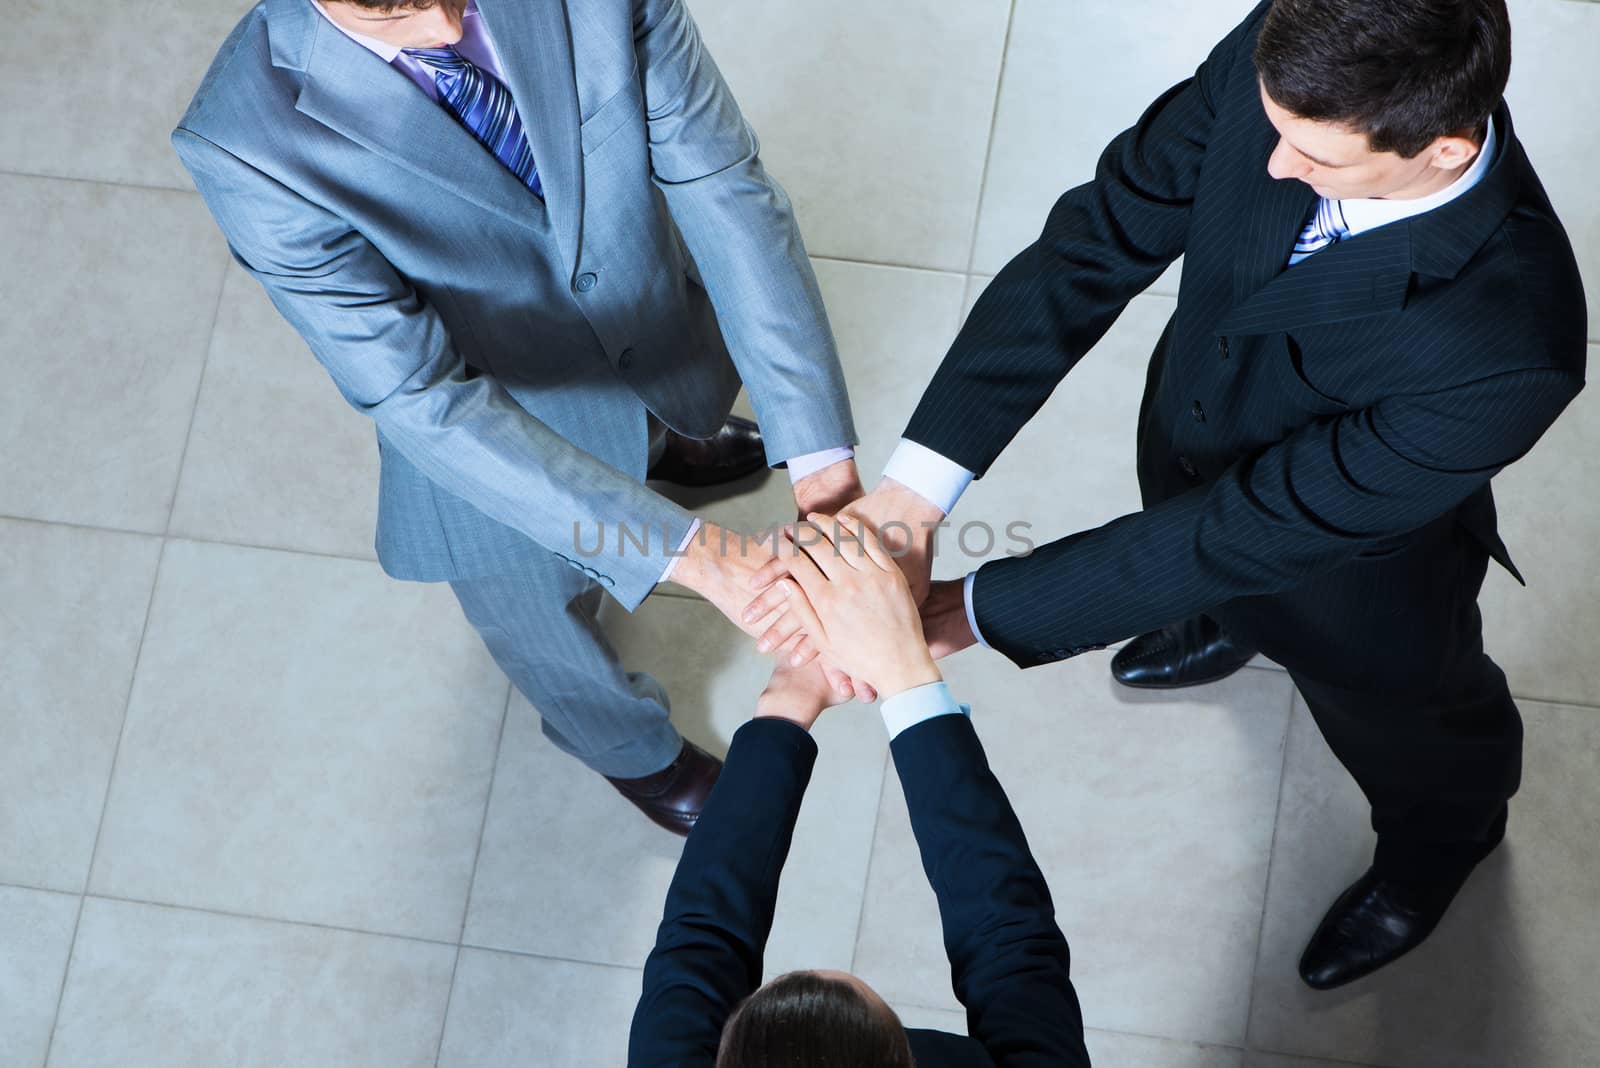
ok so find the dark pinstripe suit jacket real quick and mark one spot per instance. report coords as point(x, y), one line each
point(1292, 419)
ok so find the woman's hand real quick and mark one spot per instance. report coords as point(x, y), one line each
point(850, 598)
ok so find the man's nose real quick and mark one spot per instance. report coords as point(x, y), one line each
point(1285, 162)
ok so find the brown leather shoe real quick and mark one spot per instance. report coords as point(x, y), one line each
point(731, 453)
point(674, 796)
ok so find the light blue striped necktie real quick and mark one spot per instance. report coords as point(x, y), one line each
point(484, 106)
point(1327, 227)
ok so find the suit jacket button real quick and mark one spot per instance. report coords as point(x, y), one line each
point(587, 282)
point(1199, 412)
point(1222, 347)
point(625, 361)
point(1186, 465)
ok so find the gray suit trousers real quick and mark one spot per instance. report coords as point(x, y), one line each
point(541, 627)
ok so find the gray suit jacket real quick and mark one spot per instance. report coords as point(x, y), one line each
point(508, 349)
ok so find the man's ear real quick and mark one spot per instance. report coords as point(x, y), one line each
point(1453, 151)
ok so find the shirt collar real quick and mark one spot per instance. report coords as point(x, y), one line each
point(1363, 215)
point(387, 52)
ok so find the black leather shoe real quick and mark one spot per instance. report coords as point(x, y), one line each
point(731, 453)
point(1190, 653)
point(1374, 922)
point(674, 796)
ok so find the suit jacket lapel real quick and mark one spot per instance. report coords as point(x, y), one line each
point(357, 94)
point(1362, 275)
point(534, 44)
point(1271, 217)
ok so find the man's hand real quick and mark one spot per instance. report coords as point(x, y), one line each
point(720, 565)
point(906, 521)
point(849, 596)
point(797, 694)
point(828, 490)
point(944, 619)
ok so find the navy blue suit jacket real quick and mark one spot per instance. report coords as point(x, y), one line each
point(1008, 958)
point(1300, 426)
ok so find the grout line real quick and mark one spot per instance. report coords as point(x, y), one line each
point(872, 849)
point(529, 955)
point(5, 885)
point(199, 540)
point(988, 148)
point(261, 918)
point(80, 526)
point(111, 182)
point(1319, 1058)
point(199, 388)
point(472, 882)
point(921, 268)
point(1272, 851)
point(1200, 1042)
point(105, 798)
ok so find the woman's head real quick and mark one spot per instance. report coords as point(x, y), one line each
point(814, 1019)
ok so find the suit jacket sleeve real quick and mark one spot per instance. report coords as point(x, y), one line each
point(1008, 959)
point(392, 358)
point(741, 231)
point(1304, 505)
point(1103, 243)
point(709, 949)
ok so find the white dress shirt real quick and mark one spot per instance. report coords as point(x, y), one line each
point(941, 481)
point(910, 707)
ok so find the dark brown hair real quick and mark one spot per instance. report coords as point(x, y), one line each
point(1404, 72)
point(804, 1020)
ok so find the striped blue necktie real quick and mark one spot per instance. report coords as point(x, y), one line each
point(484, 106)
point(1327, 227)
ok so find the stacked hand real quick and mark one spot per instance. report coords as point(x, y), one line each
point(721, 565)
point(756, 583)
point(848, 596)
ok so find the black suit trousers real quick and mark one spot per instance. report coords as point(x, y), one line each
point(1387, 652)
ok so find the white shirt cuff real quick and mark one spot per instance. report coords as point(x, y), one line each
point(812, 462)
point(939, 480)
point(972, 617)
point(911, 707)
point(683, 547)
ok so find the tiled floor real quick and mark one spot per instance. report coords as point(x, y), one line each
point(261, 806)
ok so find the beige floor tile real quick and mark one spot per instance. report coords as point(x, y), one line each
point(1076, 75)
point(306, 740)
point(74, 607)
point(115, 289)
point(1545, 635)
point(513, 1012)
point(35, 938)
point(153, 987)
point(893, 326)
point(1255, 1059)
point(1553, 85)
point(1072, 467)
point(602, 900)
point(105, 85)
point(874, 116)
point(1505, 980)
point(1152, 821)
point(276, 457)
